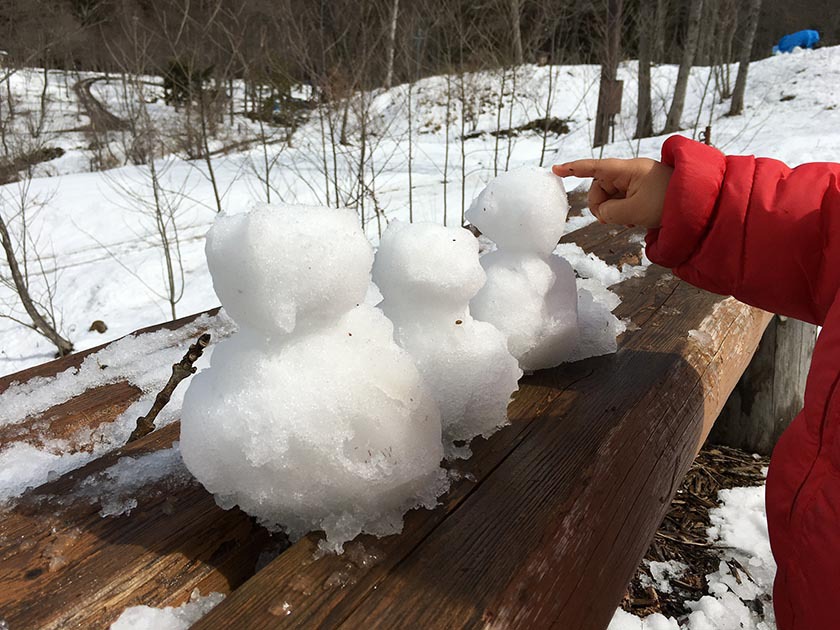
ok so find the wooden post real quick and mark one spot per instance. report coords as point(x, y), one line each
point(771, 391)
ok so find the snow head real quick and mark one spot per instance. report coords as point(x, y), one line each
point(278, 267)
point(427, 274)
point(427, 266)
point(523, 210)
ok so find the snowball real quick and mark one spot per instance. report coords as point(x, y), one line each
point(523, 210)
point(331, 431)
point(278, 267)
point(428, 267)
point(533, 301)
point(168, 618)
point(427, 274)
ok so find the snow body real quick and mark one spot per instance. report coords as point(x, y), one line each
point(310, 417)
point(530, 294)
point(427, 274)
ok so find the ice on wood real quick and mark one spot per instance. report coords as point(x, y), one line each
point(168, 618)
point(530, 294)
point(310, 417)
point(427, 274)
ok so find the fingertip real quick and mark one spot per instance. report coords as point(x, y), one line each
point(562, 170)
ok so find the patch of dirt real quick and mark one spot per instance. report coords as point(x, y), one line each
point(10, 169)
point(100, 118)
point(553, 125)
point(682, 534)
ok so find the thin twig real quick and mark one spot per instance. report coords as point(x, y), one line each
point(180, 371)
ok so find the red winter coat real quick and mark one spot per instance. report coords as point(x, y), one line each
point(770, 236)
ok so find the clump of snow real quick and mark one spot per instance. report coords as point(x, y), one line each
point(530, 295)
point(169, 618)
point(625, 621)
point(661, 574)
point(115, 489)
point(427, 274)
point(310, 422)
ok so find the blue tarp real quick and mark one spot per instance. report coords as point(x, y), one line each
point(801, 39)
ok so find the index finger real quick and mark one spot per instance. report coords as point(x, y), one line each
point(610, 167)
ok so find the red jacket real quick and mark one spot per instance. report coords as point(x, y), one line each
point(770, 236)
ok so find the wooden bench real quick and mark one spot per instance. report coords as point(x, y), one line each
point(544, 525)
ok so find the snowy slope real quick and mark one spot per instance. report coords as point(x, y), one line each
point(104, 251)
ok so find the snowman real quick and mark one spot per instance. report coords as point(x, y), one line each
point(530, 294)
point(310, 417)
point(427, 274)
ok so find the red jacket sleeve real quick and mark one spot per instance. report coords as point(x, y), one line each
point(752, 228)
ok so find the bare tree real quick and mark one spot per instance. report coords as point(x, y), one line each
point(609, 71)
point(19, 247)
point(392, 37)
point(646, 24)
point(672, 123)
point(516, 29)
point(744, 58)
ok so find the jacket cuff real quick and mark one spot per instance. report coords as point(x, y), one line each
point(690, 201)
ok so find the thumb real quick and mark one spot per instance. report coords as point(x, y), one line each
point(621, 211)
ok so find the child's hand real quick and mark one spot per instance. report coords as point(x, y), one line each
point(628, 192)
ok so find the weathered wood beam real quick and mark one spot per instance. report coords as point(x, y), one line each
point(566, 499)
point(772, 390)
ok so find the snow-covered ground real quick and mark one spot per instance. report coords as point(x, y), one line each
point(739, 528)
point(100, 245)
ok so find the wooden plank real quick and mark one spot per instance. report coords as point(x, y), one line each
point(557, 492)
point(63, 565)
point(82, 569)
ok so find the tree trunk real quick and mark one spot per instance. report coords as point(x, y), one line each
point(609, 71)
point(644, 117)
point(392, 37)
point(672, 123)
point(771, 391)
point(658, 50)
point(517, 33)
point(744, 61)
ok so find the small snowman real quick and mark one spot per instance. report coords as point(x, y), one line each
point(530, 294)
point(310, 417)
point(427, 274)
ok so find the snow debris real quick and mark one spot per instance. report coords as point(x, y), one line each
point(115, 488)
point(138, 359)
point(740, 590)
point(530, 295)
point(169, 618)
point(144, 360)
point(625, 621)
point(662, 572)
point(317, 420)
point(428, 274)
